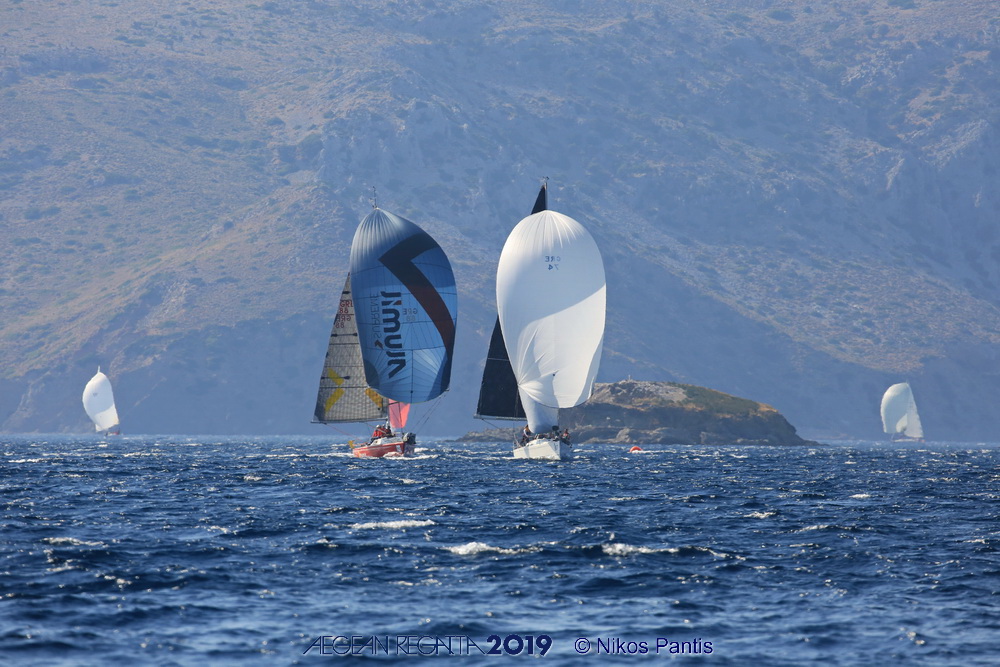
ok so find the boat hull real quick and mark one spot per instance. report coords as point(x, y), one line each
point(545, 449)
point(386, 447)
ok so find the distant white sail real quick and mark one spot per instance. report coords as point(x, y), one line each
point(899, 412)
point(551, 300)
point(99, 402)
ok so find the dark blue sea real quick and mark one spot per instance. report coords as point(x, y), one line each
point(285, 550)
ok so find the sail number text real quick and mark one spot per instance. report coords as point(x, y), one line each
point(345, 314)
point(553, 262)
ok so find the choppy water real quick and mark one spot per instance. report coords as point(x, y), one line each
point(235, 550)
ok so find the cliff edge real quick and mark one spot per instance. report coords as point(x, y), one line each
point(638, 412)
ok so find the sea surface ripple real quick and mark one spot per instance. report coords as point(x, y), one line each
point(244, 550)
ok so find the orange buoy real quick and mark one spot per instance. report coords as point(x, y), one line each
point(636, 448)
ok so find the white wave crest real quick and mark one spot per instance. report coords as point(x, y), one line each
point(70, 541)
point(620, 549)
point(817, 526)
point(473, 548)
point(402, 523)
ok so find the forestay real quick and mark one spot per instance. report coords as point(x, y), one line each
point(405, 301)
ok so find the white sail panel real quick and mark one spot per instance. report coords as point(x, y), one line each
point(99, 402)
point(551, 299)
point(899, 412)
point(540, 418)
point(914, 429)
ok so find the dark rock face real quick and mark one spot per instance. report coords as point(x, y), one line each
point(636, 412)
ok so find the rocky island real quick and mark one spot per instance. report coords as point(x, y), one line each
point(638, 412)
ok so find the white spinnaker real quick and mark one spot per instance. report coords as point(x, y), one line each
point(99, 402)
point(899, 412)
point(551, 302)
point(914, 429)
point(540, 418)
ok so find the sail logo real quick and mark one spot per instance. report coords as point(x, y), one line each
point(393, 345)
point(400, 261)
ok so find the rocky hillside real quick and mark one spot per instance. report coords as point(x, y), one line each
point(635, 412)
point(795, 201)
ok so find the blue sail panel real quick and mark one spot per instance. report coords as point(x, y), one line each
point(405, 302)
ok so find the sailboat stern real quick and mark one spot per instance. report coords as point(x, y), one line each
point(545, 449)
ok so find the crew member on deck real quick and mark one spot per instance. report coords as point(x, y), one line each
point(526, 434)
point(565, 436)
point(381, 431)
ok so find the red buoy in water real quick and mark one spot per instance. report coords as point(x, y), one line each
point(636, 448)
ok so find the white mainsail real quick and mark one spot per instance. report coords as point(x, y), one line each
point(899, 412)
point(551, 301)
point(99, 402)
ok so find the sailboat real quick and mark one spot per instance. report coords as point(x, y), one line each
point(394, 333)
point(551, 306)
point(99, 402)
point(899, 413)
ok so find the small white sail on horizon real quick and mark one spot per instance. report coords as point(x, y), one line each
point(899, 412)
point(99, 402)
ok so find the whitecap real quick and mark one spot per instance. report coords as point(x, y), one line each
point(70, 541)
point(473, 548)
point(66, 567)
point(620, 549)
point(122, 583)
point(402, 523)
